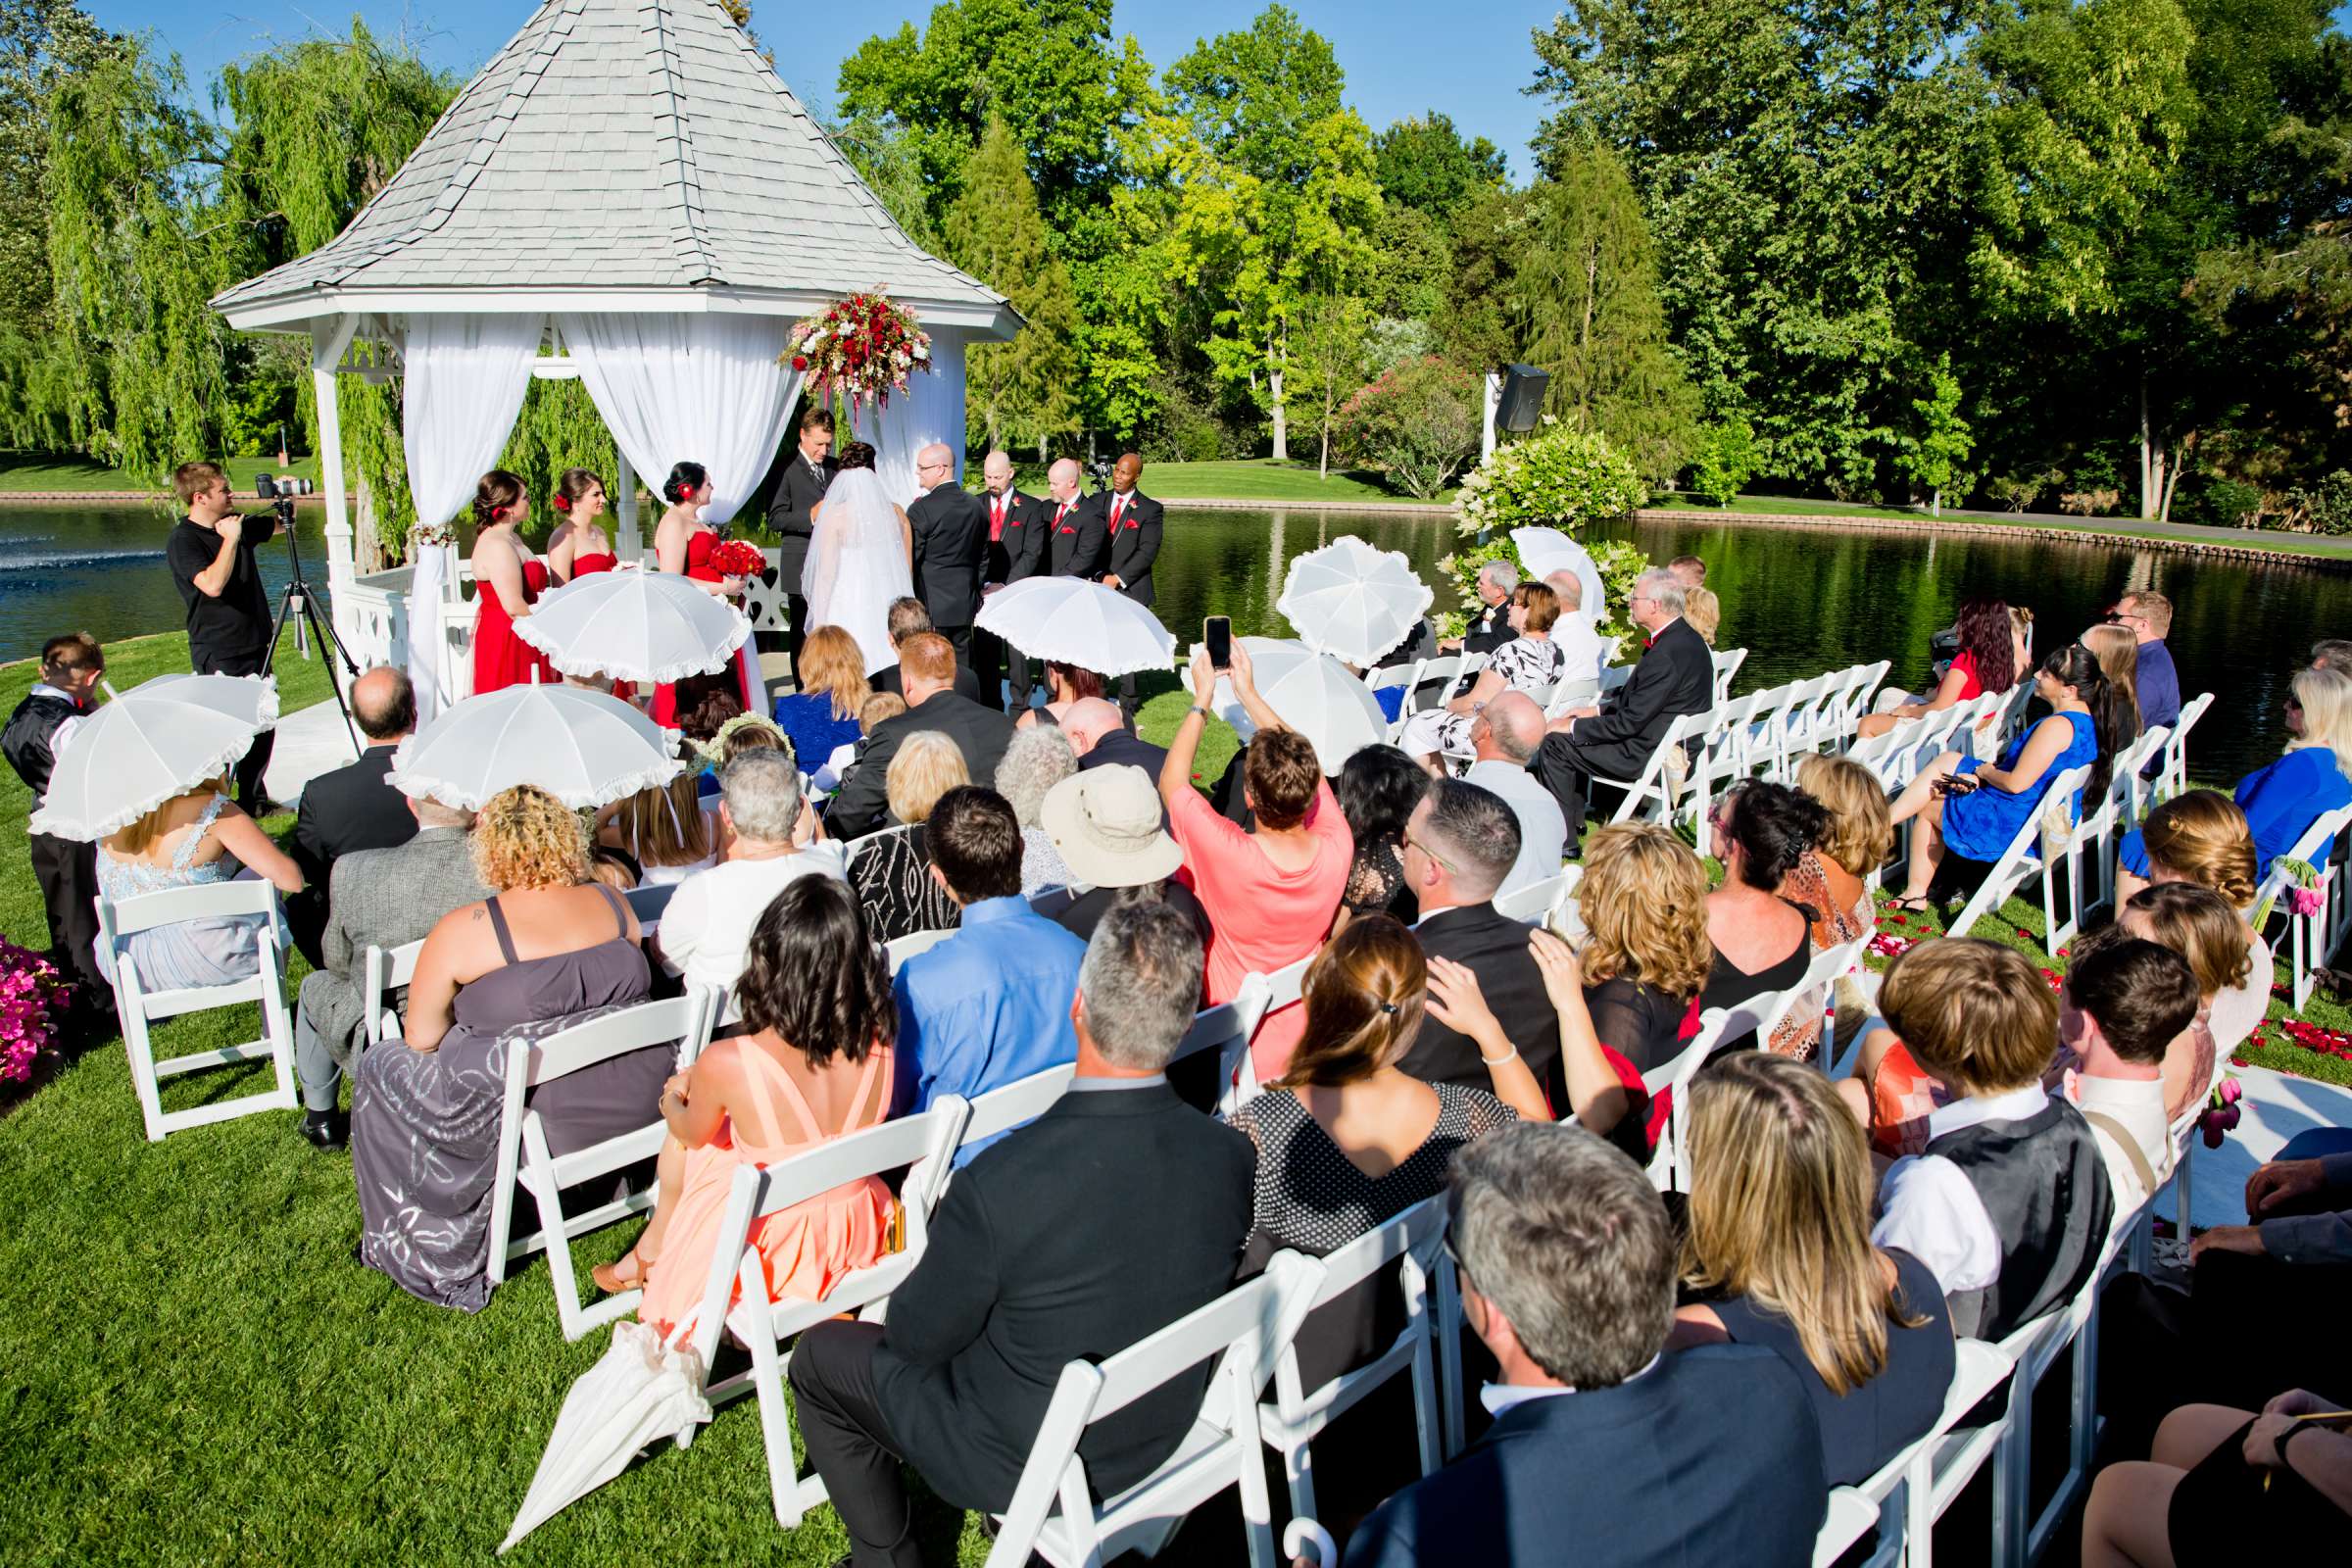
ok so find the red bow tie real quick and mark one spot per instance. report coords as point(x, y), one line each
point(1647, 643)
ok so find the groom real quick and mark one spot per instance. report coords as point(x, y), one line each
point(796, 482)
point(951, 547)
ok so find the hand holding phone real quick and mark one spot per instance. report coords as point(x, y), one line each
point(1217, 633)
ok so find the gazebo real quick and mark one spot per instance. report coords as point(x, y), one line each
point(627, 194)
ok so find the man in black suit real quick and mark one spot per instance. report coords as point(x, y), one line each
point(1605, 1447)
point(1491, 626)
point(1676, 676)
point(1099, 734)
point(909, 619)
point(927, 673)
point(355, 807)
point(796, 483)
point(1036, 1260)
point(1076, 546)
point(950, 548)
point(1130, 521)
point(1017, 527)
point(1459, 844)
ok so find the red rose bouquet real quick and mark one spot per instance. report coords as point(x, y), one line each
point(734, 558)
point(863, 347)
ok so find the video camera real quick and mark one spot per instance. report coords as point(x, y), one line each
point(280, 490)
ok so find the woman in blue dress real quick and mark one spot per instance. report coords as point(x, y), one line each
point(823, 714)
point(1960, 807)
point(196, 838)
point(2282, 800)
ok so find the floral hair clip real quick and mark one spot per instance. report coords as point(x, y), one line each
point(563, 503)
point(497, 513)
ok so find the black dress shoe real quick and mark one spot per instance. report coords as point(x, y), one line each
point(323, 1128)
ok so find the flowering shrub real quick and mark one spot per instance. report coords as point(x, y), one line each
point(1417, 425)
point(1620, 563)
point(863, 347)
point(31, 997)
point(1558, 477)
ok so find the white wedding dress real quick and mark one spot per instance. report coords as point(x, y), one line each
point(858, 565)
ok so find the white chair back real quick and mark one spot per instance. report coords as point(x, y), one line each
point(383, 972)
point(1017, 1105)
point(1815, 995)
point(2309, 937)
point(2021, 860)
point(1727, 663)
point(647, 903)
point(1536, 901)
point(1669, 1157)
point(2173, 777)
point(901, 949)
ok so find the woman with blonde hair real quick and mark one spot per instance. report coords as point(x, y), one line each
point(551, 947)
point(196, 838)
point(1831, 877)
point(1643, 904)
point(1345, 1139)
point(1778, 1255)
point(2233, 990)
point(2202, 839)
point(823, 714)
point(892, 870)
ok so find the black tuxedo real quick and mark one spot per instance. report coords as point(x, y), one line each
point(950, 552)
point(1134, 546)
point(1676, 676)
point(982, 733)
point(1493, 948)
point(792, 491)
point(1077, 546)
point(1128, 749)
point(1031, 1266)
point(1488, 630)
point(353, 807)
point(1020, 553)
point(886, 679)
point(1712, 1455)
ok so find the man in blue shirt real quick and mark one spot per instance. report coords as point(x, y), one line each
point(991, 1005)
point(2148, 616)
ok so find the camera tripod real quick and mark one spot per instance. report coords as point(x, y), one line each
point(297, 598)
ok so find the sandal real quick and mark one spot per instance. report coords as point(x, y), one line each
point(612, 1282)
point(1912, 903)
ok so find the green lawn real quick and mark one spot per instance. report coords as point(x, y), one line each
point(1263, 479)
point(193, 1370)
point(24, 471)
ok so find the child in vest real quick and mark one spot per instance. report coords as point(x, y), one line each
point(2126, 1000)
point(2009, 1207)
point(66, 870)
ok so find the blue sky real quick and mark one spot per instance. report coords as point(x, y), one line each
point(1402, 57)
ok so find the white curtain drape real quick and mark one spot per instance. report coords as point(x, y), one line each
point(931, 411)
point(463, 383)
point(701, 388)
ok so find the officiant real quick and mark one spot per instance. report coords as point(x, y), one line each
point(796, 483)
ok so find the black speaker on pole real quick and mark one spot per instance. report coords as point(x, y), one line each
point(1522, 402)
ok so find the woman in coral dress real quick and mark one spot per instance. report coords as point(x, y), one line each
point(579, 548)
point(507, 578)
point(683, 543)
point(816, 1066)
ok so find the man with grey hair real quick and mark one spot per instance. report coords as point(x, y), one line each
point(381, 898)
point(1110, 1216)
point(1574, 633)
point(1615, 741)
point(1502, 741)
point(1459, 844)
point(1603, 1449)
point(950, 529)
point(772, 836)
point(1491, 627)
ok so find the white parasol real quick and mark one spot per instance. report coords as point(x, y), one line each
point(1310, 692)
point(637, 1394)
point(583, 747)
point(1544, 551)
point(1351, 600)
point(146, 745)
point(634, 625)
point(1069, 620)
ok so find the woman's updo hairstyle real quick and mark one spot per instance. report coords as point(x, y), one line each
point(2201, 836)
point(495, 497)
point(815, 976)
point(855, 455)
point(1774, 826)
point(575, 483)
point(684, 479)
point(1364, 994)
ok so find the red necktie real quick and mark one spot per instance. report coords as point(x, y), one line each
point(1118, 504)
point(996, 522)
point(1059, 515)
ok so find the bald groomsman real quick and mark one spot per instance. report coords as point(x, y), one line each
point(1017, 528)
point(950, 548)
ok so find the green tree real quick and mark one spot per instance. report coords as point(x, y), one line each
point(1022, 391)
point(1723, 460)
point(1425, 165)
point(1936, 450)
point(1329, 349)
point(1417, 425)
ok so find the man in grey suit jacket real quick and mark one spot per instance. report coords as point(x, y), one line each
point(380, 898)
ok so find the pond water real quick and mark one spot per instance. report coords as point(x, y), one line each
point(1801, 600)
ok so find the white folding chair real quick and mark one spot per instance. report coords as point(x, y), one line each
point(1408, 676)
point(524, 1154)
point(1017, 1105)
point(1226, 1029)
point(1817, 992)
point(1055, 1512)
point(1652, 794)
point(921, 1146)
point(1850, 1517)
point(1534, 901)
point(383, 972)
point(1281, 989)
point(2308, 936)
point(2021, 860)
point(2172, 776)
point(1902, 1499)
point(901, 949)
point(136, 1006)
point(648, 902)
point(1721, 763)
point(1670, 1157)
point(1845, 715)
point(1727, 663)
point(1411, 1243)
point(2104, 825)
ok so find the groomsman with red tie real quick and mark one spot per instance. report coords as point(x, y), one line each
point(1018, 529)
point(1078, 547)
point(1130, 523)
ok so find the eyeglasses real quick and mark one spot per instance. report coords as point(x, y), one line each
point(926, 467)
point(1412, 842)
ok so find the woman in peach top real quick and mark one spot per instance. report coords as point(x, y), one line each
point(815, 1068)
point(1269, 891)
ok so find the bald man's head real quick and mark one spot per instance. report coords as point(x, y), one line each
point(1569, 587)
point(1062, 479)
point(1126, 471)
point(997, 472)
point(1089, 719)
point(384, 704)
point(1514, 726)
point(934, 465)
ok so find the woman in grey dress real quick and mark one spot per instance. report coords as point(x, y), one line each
point(552, 949)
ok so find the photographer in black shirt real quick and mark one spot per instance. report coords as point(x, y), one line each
point(212, 559)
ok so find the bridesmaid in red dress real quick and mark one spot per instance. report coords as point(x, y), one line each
point(579, 547)
point(507, 579)
point(682, 543)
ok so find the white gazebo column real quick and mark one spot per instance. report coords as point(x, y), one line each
point(626, 543)
point(326, 353)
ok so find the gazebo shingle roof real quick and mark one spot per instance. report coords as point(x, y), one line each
point(621, 145)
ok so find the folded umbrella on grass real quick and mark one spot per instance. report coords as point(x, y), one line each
point(162, 737)
point(1313, 693)
point(583, 747)
point(639, 1393)
point(1351, 600)
point(643, 626)
point(1069, 621)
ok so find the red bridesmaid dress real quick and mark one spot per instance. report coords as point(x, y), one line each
point(500, 658)
point(589, 567)
point(699, 546)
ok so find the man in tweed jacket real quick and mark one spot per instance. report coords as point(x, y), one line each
point(375, 898)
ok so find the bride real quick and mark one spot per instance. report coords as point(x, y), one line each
point(861, 557)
